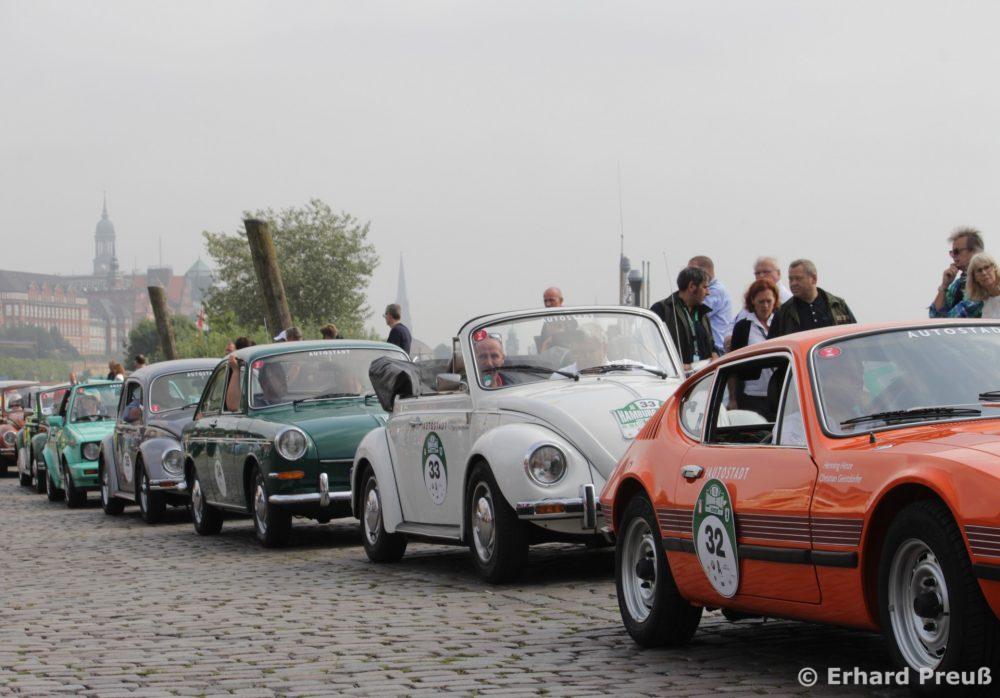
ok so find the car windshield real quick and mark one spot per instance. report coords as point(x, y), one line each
point(561, 345)
point(176, 391)
point(48, 402)
point(908, 376)
point(313, 375)
point(94, 403)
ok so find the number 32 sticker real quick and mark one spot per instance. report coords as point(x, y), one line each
point(714, 531)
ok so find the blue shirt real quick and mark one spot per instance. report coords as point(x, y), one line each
point(722, 313)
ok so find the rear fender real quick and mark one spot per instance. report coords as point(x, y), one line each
point(373, 452)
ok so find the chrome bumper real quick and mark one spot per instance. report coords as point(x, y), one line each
point(583, 507)
point(168, 485)
point(323, 497)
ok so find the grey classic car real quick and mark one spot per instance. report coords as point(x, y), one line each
point(142, 461)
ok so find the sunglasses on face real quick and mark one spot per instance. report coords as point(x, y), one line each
point(954, 252)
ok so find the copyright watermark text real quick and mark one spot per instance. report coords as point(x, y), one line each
point(854, 676)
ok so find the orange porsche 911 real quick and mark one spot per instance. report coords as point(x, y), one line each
point(848, 475)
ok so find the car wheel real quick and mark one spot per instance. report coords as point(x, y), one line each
point(931, 608)
point(380, 545)
point(652, 609)
point(53, 493)
point(23, 468)
point(496, 536)
point(206, 518)
point(36, 479)
point(152, 506)
point(75, 497)
point(272, 524)
point(112, 505)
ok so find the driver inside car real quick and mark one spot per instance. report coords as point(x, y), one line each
point(490, 358)
point(273, 385)
point(87, 406)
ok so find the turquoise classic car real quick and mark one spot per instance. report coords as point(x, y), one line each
point(275, 432)
point(86, 415)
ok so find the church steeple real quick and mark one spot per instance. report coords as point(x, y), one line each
point(104, 243)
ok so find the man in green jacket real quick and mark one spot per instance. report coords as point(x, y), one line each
point(810, 306)
point(686, 316)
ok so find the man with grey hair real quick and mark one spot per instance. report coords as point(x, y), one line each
point(399, 334)
point(810, 306)
point(768, 268)
point(719, 304)
point(965, 244)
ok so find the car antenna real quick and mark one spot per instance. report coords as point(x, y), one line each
point(871, 438)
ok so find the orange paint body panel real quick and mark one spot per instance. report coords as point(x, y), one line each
point(810, 521)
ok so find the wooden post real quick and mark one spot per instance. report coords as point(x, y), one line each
point(158, 300)
point(265, 263)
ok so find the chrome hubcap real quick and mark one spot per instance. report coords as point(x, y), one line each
point(196, 501)
point(483, 522)
point(638, 569)
point(373, 514)
point(105, 494)
point(143, 491)
point(919, 606)
point(260, 508)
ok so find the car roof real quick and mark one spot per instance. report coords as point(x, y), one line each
point(13, 385)
point(259, 350)
point(148, 373)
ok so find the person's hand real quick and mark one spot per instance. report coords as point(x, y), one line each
point(233, 364)
point(949, 275)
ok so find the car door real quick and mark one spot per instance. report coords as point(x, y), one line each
point(128, 433)
point(203, 445)
point(232, 446)
point(756, 458)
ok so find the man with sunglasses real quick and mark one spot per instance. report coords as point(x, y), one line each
point(950, 300)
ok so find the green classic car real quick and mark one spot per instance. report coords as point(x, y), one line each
point(39, 402)
point(86, 415)
point(275, 432)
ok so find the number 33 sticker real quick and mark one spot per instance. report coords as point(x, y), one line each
point(714, 532)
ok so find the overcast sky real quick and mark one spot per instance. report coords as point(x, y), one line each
point(482, 139)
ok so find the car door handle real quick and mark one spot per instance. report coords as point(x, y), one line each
point(692, 472)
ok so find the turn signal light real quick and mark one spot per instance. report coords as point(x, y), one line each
point(549, 508)
point(289, 475)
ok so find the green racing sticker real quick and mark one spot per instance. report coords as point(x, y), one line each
point(435, 468)
point(714, 531)
point(633, 416)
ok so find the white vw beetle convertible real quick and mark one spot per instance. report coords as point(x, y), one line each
point(511, 444)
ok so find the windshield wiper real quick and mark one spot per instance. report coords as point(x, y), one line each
point(531, 368)
point(902, 415)
point(324, 396)
point(990, 395)
point(607, 368)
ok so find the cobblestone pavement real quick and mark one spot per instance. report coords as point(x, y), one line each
point(99, 605)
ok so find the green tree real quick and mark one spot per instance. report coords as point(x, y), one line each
point(326, 264)
point(144, 339)
point(30, 342)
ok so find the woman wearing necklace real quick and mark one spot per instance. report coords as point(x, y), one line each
point(983, 284)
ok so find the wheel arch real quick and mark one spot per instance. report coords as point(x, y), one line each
point(628, 488)
point(474, 460)
point(373, 452)
point(250, 464)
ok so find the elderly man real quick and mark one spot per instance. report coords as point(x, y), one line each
point(720, 306)
point(490, 358)
point(686, 316)
point(552, 297)
point(768, 268)
point(965, 244)
point(810, 306)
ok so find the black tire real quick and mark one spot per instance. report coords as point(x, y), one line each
point(499, 546)
point(53, 493)
point(644, 582)
point(112, 506)
point(380, 545)
point(207, 519)
point(955, 613)
point(152, 505)
point(37, 481)
point(271, 524)
point(75, 497)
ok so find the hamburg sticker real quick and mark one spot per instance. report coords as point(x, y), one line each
point(435, 468)
point(633, 416)
point(714, 531)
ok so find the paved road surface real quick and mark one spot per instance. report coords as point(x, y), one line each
point(95, 605)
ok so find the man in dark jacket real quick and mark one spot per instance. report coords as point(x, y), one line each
point(686, 316)
point(399, 334)
point(810, 306)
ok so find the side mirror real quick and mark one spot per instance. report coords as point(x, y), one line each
point(55, 421)
point(449, 382)
point(28, 413)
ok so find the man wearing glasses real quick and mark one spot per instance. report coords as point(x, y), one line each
point(950, 299)
point(767, 268)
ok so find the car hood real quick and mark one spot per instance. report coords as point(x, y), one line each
point(335, 427)
point(599, 415)
point(92, 431)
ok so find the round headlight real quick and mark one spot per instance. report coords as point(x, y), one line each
point(91, 451)
point(173, 460)
point(291, 443)
point(9, 437)
point(546, 465)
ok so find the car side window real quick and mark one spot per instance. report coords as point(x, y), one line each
point(746, 401)
point(214, 392)
point(694, 405)
point(792, 429)
point(131, 410)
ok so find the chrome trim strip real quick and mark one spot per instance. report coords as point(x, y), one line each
point(309, 497)
point(178, 485)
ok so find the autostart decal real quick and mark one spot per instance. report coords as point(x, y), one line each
point(435, 468)
point(633, 416)
point(714, 531)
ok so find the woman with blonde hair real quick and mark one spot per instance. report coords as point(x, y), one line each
point(983, 284)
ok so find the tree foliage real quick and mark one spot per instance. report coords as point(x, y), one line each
point(326, 264)
point(45, 343)
point(52, 370)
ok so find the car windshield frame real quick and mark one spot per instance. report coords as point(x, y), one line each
point(247, 379)
point(73, 419)
point(880, 425)
point(152, 384)
point(673, 370)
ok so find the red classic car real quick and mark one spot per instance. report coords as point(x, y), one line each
point(11, 420)
point(863, 491)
